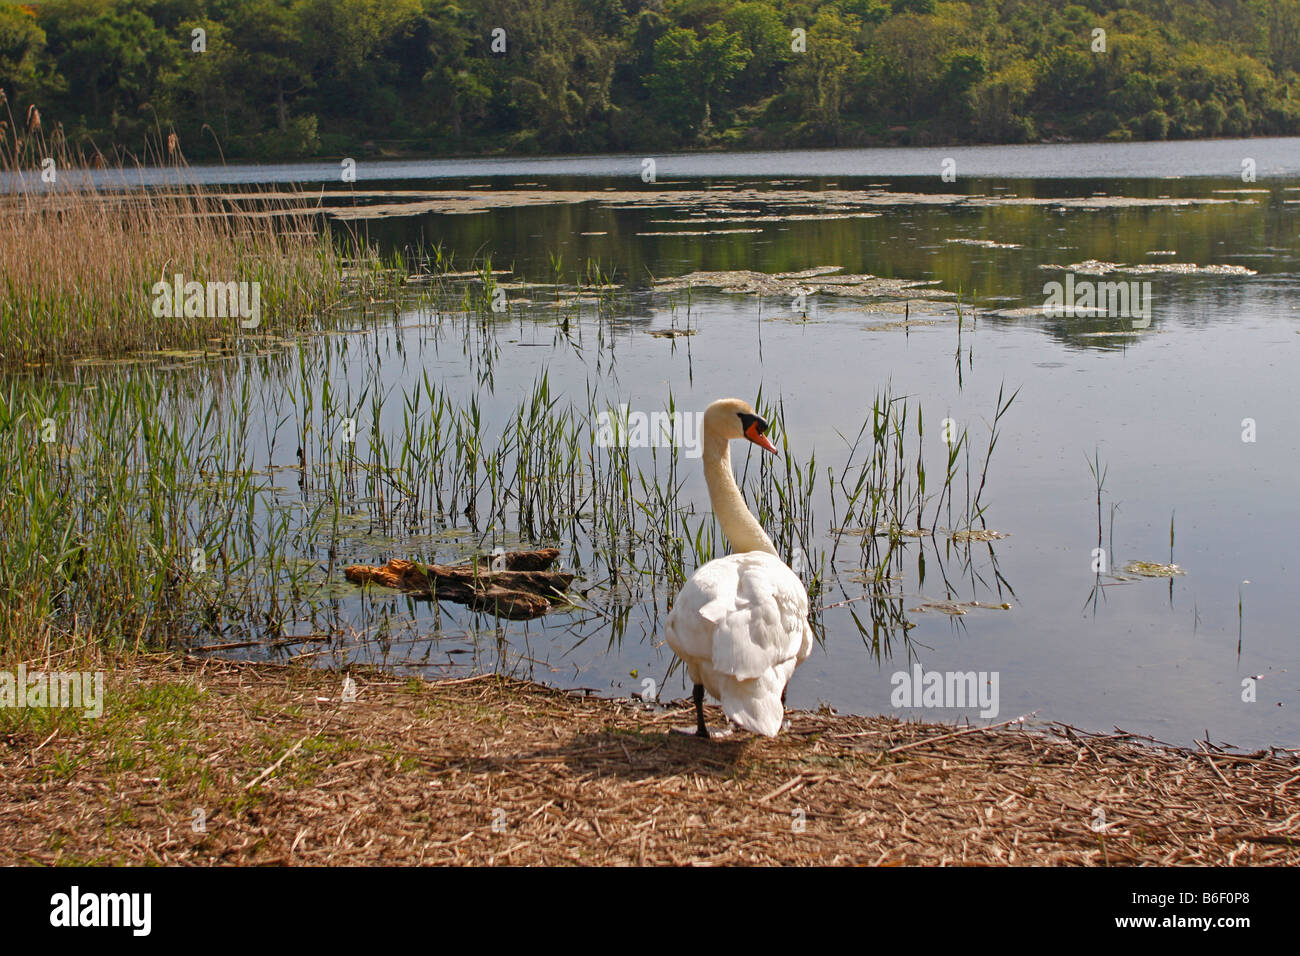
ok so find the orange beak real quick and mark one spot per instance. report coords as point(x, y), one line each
point(759, 439)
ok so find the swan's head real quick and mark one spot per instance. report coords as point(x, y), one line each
point(730, 418)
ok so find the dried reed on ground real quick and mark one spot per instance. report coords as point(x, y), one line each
point(485, 770)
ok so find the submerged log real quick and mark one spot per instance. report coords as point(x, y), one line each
point(513, 585)
point(538, 559)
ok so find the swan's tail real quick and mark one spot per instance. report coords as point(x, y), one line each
point(756, 704)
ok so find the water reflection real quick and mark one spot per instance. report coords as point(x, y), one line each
point(472, 429)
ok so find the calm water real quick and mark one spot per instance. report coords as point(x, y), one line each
point(1162, 407)
point(1273, 157)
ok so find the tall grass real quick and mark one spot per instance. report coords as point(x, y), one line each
point(218, 502)
point(79, 255)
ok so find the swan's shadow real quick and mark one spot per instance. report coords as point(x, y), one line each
point(630, 755)
point(640, 755)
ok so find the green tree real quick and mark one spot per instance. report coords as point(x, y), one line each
point(24, 61)
point(913, 51)
point(554, 82)
point(766, 38)
point(111, 56)
point(692, 73)
point(822, 76)
point(302, 77)
point(998, 104)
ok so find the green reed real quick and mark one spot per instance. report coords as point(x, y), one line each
point(223, 500)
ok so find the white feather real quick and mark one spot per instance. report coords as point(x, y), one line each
point(741, 627)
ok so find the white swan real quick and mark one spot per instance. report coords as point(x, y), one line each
point(741, 622)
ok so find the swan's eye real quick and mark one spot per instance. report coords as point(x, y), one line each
point(752, 423)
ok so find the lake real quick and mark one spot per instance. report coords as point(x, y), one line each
point(825, 279)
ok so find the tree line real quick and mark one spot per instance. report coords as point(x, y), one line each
point(282, 79)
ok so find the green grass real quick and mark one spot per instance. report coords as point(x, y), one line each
point(141, 515)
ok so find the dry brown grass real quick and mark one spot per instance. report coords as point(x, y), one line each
point(77, 261)
point(418, 773)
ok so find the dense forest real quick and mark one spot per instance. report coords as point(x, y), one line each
point(263, 79)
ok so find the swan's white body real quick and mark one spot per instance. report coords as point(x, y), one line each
point(741, 622)
point(741, 627)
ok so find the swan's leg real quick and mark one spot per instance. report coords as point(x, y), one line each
point(700, 729)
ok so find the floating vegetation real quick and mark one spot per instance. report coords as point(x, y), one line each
point(903, 326)
point(957, 608)
point(776, 217)
point(1123, 333)
point(672, 333)
point(896, 532)
point(700, 232)
point(822, 279)
point(1034, 311)
point(1103, 202)
point(1152, 569)
point(905, 307)
point(986, 243)
point(943, 607)
point(1189, 268)
point(724, 203)
point(1026, 311)
point(977, 534)
point(796, 318)
point(472, 274)
point(1095, 267)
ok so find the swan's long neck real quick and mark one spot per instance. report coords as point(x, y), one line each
point(740, 526)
